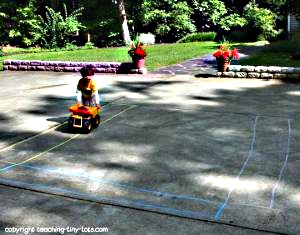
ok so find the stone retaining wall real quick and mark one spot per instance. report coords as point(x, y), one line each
point(68, 66)
point(261, 72)
point(235, 71)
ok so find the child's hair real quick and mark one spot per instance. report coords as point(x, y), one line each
point(88, 70)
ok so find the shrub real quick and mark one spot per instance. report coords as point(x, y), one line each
point(70, 47)
point(88, 45)
point(56, 27)
point(261, 22)
point(239, 36)
point(198, 37)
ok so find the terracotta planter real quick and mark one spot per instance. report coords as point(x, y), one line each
point(138, 63)
point(223, 64)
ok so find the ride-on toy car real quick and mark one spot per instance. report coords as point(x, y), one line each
point(84, 118)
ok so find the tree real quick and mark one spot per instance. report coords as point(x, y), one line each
point(123, 19)
point(169, 20)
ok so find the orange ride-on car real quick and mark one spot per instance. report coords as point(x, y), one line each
point(84, 118)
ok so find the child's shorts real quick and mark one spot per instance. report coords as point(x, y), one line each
point(89, 102)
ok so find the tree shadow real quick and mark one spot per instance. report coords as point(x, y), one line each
point(184, 150)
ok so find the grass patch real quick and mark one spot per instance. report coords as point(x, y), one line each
point(275, 54)
point(168, 54)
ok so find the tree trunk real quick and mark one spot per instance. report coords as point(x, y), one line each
point(124, 25)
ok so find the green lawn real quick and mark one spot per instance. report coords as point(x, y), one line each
point(159, 55)
point(275, 54)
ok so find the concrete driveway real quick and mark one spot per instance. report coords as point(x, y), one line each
point(174, 154)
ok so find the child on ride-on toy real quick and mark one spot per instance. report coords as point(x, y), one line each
point(85, 114)
point(87, 92)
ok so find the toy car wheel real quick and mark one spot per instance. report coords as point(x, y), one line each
point(96, 121)
point(70, 123)
point(87, 126)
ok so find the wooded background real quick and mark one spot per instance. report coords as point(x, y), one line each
point(54, 23)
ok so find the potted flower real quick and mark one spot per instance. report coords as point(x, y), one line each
point(224, 55)
point(137, 53)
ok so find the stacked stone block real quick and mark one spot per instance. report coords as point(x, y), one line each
point(261, 72)
point(70, 66)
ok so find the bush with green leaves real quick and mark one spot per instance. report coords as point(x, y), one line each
point(198, 37)
point(56, 28)
point(24, 26)
point(261, 22)
point(88, 45)
point(52, 30)
point(217, 15)
point(169, 20)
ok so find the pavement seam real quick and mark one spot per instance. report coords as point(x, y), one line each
point(136, 205)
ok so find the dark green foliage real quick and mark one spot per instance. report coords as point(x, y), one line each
point(261, 22)
point(198, 37)
point(102, 21)
point(168, 20)
point(56, 28)
point(294, 7)
point(89, 45)
point(239, 36)
point(26, 27)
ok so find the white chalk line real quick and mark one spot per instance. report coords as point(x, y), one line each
point(283, 166)
point(237, 179)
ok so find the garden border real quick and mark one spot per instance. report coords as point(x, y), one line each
point(70, 66)
point(235, 71)
point(261, 72)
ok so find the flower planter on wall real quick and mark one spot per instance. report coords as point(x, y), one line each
point(223, 64)
point(138, 63)
point(224, 55)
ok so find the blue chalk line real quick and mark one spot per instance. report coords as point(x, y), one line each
point(119, 185)
point(223, 205)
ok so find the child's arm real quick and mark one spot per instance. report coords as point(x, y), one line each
point(96, 94)
point(97, 100)
point(78, 96)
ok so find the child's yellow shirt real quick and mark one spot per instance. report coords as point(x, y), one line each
point(87, 87)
